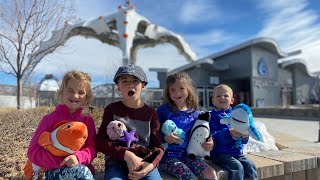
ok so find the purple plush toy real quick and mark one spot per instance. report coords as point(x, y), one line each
point(128, 138)
point(117, 130)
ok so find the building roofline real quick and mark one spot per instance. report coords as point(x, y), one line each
point(266, 42)
point(269, 43)
point(295, 61)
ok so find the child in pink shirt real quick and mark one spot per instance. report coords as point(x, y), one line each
point(74, 93)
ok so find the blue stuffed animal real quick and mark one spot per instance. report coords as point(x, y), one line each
point(241, 120)
point(169, 127)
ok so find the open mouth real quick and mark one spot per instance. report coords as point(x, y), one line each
point(130, 93)
point(238, 120)
point(74, 101)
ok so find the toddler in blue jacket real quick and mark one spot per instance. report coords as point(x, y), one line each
point(227, 153)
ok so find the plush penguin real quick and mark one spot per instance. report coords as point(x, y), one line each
point(241, 120)
point(200, 133)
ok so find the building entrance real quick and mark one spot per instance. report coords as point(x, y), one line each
point(205, 95)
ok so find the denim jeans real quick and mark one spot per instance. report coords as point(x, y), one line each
point(238, 167)
point(119, 171)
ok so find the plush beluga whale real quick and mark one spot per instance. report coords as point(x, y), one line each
point(169, 127)
point(241, 120)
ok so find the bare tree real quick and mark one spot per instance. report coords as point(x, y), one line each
point(24, 24)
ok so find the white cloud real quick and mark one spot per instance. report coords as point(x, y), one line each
point(197, 11)
point(293, 26)
point(202, 43)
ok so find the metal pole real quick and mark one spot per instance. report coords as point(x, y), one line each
point(319, 107)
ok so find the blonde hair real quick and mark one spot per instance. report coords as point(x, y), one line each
point(223, 86)
point(78, 75)
point(192, 99)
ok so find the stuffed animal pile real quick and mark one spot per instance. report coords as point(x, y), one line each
point(200, 132)
point(66, 138)
point(241, 120)
point(169, 127)
point(117, 131)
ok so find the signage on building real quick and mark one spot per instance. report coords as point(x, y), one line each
point(214, 80)
point(263, 68)
point(263, 82)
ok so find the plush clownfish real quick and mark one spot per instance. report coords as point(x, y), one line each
point(66, 138)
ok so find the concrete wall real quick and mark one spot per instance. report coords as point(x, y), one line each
point(11, 101)
point(239, 63)
point(266, 90)
point(201, 75)
point(303, 87)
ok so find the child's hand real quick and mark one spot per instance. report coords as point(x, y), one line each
point(134, 162)
point(245, 136)
point(70, 161)
point(235, 134)
point(173, 138)
point(208, 145)
point(146, 168)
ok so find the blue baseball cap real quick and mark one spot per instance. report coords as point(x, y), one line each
point(133, 70)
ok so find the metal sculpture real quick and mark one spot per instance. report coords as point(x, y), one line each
point(125, 29)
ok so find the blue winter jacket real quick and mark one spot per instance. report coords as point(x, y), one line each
point(224, 143)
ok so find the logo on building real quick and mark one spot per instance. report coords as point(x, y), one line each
point(262, 68)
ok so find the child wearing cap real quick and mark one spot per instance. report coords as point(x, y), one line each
point(139, 161)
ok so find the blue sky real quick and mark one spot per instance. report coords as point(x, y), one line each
point(209, 26)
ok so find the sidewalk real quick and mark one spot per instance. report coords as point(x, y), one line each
point(304, 129)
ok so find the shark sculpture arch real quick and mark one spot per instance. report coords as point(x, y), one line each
point(125, 29)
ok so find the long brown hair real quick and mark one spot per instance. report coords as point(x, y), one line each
point(78, 75)
point(192, 99)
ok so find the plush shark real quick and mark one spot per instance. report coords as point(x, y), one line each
point(241, 120)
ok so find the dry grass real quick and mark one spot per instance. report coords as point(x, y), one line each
point(16, 130)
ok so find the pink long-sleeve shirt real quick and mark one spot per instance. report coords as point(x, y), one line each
point(43, 158)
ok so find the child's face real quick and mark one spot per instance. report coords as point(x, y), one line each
point(74, 96)
point(178, 93)
point(130, 87)
point(222, 99)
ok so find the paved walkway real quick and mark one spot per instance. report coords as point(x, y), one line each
point(303, 129)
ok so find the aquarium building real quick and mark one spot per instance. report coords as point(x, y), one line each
point(259, 73)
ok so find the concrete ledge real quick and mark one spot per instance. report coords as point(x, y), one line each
point(293, 162)
point(292, 112)
point(267, 168)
